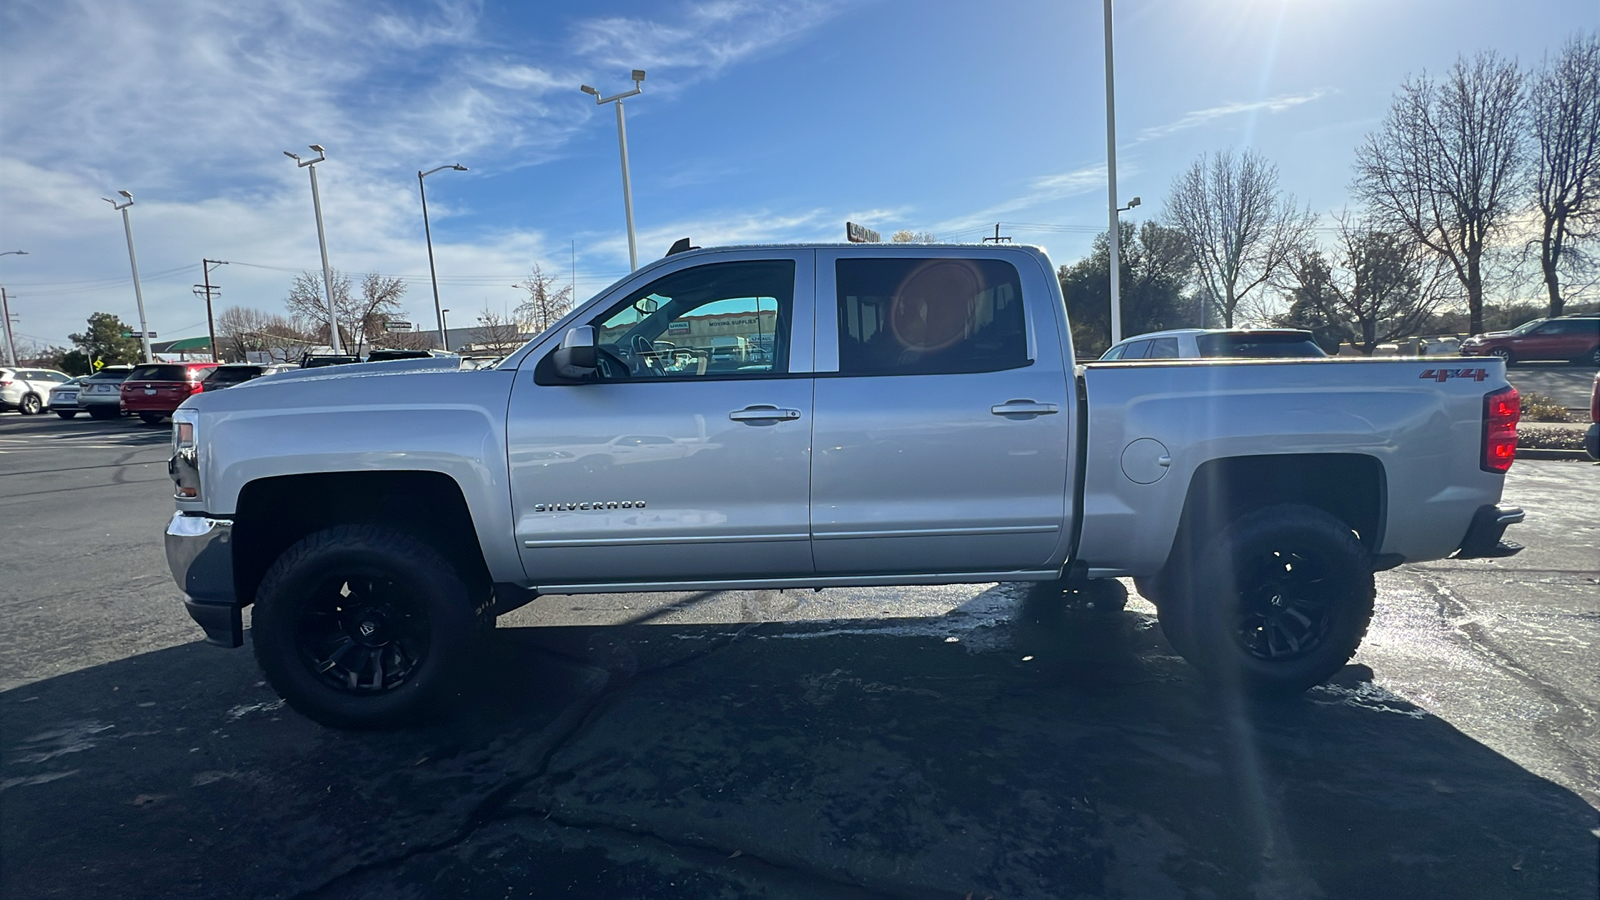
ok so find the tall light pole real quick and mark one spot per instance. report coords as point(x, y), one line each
point(444, 340)
point(5, 315)
point(622, 139)
point(322, 241)
point(1111, 186)
point(138, 294)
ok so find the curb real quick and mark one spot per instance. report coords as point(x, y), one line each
point(1546, 453)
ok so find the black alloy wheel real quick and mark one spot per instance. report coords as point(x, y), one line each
point(1277, 603)
point(361, 626)
point(362, 632)
point(1286, 603)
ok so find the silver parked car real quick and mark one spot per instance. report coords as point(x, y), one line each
point(64, 398)
point(26, 390)
point(100, 394)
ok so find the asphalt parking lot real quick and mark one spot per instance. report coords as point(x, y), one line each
point(926, 742)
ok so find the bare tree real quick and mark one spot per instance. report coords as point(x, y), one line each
point(496, 333)
point(1382, 285)
point(358, 317)
point(404, 340)
point(1444, 166)
point(1242, 229)
point(1564, 104)
point(242, 331)
point(546, 303)
point(913, 237)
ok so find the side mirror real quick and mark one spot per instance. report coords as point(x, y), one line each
point(576, 358)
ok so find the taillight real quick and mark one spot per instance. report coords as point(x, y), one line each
point(1501, 410)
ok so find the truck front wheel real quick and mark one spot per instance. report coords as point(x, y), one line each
point(359, 626)
point(1277, 603)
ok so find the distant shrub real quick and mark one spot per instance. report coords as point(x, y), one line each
point(1536, 407)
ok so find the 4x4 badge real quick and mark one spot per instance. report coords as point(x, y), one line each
point(1443, 375)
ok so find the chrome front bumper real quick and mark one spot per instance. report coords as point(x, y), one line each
point(200, 554)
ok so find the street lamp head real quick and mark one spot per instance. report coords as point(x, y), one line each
point(1133, 203)
point(126, 194)
point(318, 148)
point(589, 90)
point(293, 156)
point(638, 75)
point(459, 167)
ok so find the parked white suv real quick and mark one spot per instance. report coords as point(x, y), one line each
point(26, 390)
point(1216, 343)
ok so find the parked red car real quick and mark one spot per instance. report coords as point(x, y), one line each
point(154, 391)
point(1574, 337)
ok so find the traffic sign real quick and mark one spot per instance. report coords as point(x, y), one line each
point(138, 334)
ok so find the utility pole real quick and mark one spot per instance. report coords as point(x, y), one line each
point(997, 239)
point(1114, 234)
point(208, 291)
point(11, 341)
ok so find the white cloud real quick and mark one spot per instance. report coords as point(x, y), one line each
point(1201, 117)
point(703, 40)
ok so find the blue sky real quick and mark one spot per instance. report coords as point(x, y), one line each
point(760, 121)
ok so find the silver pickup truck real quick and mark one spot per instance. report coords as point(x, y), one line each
point(813, 416)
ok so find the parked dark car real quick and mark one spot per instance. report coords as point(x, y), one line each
point(100, 395)
point(230, 374)
point(386, 355)
point(1574, 337)
point(153, 391)
point(316, 362)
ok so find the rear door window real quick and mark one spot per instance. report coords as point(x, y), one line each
point(1163, 348)
point(901, 316)
point(1136, 350)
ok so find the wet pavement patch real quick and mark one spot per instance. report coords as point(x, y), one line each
point(1027, 755)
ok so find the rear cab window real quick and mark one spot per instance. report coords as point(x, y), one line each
point(909, 316)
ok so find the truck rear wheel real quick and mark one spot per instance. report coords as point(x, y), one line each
point(359, 626)
point(1277, 603)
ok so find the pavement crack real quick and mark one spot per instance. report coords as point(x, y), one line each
point(752, 863)
point(567, 728)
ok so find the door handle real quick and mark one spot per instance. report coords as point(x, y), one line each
point(1024, 408)
point(762, 413)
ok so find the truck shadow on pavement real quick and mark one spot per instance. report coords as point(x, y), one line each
point(1024, 754)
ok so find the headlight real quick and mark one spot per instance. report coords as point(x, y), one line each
point(184, 467)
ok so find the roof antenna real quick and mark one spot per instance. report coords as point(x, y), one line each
point(681, 245)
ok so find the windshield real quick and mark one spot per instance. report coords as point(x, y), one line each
point(1526, 327)
point(1281, 345)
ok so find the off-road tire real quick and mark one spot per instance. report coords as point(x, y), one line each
point(294, 612)
point(30, 405)
point(1277, 603)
